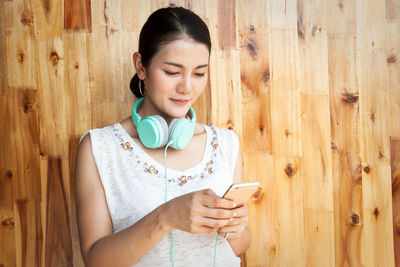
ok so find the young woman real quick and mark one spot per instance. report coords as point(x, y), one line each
point(129, 210)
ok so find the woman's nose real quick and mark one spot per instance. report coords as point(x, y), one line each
point(185, 86)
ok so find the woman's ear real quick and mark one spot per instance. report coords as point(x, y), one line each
point(137, 62)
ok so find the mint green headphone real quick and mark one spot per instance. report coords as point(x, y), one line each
point(154, 132)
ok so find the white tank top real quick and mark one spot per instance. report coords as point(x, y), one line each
point(134, 185)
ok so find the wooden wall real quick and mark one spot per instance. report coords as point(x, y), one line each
point(311, 87)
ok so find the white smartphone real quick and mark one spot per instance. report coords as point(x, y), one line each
point(241, 192)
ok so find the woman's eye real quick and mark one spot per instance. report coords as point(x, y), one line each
point(171, 73)
point(199, 74)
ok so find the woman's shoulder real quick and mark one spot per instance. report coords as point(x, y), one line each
point(220, 134)
point(98, 131)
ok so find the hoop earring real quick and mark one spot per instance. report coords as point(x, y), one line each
point(140, 88)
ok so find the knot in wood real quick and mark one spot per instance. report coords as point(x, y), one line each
point(27, 106)
point(251, 46)
point(9, 174)
point(349, 98)
point(229, 125)
point(8, 223)
point(290, 170)
point(367, 169)
point(21, 57)
point(26, 19)
point(54, 58)
point(261, 128)
point(391, 59)
point(376, 212)
point(258, 195)
point(266, 75)
point(355, 219)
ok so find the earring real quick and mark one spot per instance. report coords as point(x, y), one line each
point(140, 87)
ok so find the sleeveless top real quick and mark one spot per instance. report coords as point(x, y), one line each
point(134, 185)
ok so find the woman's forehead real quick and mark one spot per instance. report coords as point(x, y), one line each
point(185, 52)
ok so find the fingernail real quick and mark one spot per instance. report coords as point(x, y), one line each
point(234, 205)
point(231, 219)
point(234, 214)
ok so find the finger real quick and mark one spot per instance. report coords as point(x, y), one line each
point(219, 214)
point(231, 229)
point(217, 202)
point(233, 233)
point(240, 211)
point(238, 221)
point(213, 223)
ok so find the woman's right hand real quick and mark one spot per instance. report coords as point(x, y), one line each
point(199, 212)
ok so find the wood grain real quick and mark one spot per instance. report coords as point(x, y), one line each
point(395, 163)
point(312, 88)
point(77, 15)
point(7, 177)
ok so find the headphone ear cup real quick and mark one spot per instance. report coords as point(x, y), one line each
point(163, 129)
point(153, 131)
point(180, 131)
point(171, 128)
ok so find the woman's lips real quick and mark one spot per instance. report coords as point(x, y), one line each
point(180, 101)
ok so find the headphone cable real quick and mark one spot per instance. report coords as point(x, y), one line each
point(171, 250)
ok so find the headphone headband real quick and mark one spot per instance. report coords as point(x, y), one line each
point(136, 117)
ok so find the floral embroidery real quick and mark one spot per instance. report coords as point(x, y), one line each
point(150, 169)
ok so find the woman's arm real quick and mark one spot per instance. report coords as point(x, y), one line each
point(100, 247)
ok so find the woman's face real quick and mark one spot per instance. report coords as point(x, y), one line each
point(176, 77)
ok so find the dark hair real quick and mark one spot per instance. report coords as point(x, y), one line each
point(164, 26)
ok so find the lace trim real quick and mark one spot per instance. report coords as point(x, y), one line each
point(209, 167)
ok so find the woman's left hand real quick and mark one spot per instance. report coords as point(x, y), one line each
point(234, 229)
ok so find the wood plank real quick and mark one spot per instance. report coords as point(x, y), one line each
point(285, 93)
point(316, 175)
point(344, 115)
point(225, 90)
point(3, 52)
point(255, 76)
point(134, 14)
point(392, 10)
point(28, 232)
point(20, 44)
point(48, 18)
point(53, 98)
point(288, 198)
point(24, 132)
point(58, 246)
point(7, 172)
point(263, 210)
point(77, 15)
point(104, 45)
point(227, 24)
point(395, 171)
point(392, 53)
point(76, 87)
point(374, 137)
point(282, 14)
point(347, 186)
point(313, 47)
point(347, 189)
